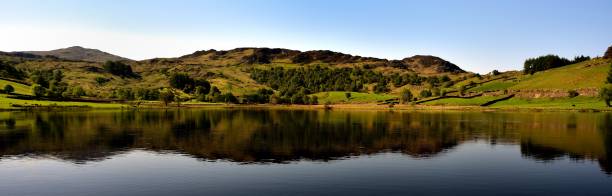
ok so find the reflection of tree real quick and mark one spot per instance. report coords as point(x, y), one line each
point(280, 136)
point(606, 131)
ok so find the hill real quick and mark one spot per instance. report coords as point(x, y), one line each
point(229, 70)
point(78, 53)
point(322, 73)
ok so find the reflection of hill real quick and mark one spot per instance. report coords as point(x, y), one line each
point(279, 136)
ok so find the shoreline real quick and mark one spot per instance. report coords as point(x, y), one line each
point(354, 107)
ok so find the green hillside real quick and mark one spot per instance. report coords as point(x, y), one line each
point(588, 74)
point(19, 88)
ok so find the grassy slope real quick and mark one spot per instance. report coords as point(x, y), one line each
point(493, 86)
point(558, 103)
point(5, 103)
point(19, 88)
point(588, 74)
point(340, 97)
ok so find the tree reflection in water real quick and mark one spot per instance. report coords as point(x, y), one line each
point(280, 136)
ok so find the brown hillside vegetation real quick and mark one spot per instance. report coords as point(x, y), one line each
point(228, 70)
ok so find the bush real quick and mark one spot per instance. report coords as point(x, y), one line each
point(606, 94)
point(425, 93)
point(9, 89)
point(101, 80)
point(572, 93)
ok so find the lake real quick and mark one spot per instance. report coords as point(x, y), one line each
point(304, 152)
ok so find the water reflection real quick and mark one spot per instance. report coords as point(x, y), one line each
point(279, 136)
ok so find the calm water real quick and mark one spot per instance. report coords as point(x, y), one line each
point(275, 152)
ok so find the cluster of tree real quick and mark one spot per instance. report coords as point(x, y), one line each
point(187, 84)
point(136, 94)
point(49, 84)
point(541, 63)
point(8, 71)
point(119, 68)
point(290, 81)
point(261, 96)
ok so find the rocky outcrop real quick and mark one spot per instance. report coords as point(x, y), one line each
point(419, 63)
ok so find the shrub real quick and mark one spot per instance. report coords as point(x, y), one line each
point(606, 94)
point(101, 80)
point(425, 93)
point(405, 96)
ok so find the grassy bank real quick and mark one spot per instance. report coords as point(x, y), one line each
point(336, 97)
point(579, 102)
point(10, 103)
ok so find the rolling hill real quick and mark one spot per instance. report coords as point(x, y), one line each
point(78, 53)
point(230, 71)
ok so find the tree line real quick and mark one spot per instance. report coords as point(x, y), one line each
point(318, 79)
point(541, 63)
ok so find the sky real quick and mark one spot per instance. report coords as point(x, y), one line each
point(477, 35)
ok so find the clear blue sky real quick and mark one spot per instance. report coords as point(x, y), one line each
point(478, 35)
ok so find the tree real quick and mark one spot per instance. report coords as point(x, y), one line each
point(347, 95)
point(166, 96)
point(495, 72)
point(406, 96)
point(8, 89)
point(38, 90)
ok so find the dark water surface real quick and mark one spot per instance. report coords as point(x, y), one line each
point(278, 152)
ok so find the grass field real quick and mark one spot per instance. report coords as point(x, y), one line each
point(579, 102)
point(339, 97)
point(588, 74)
point(476, 101)
point(19, 88)
point(493, 86)
point(6, 103)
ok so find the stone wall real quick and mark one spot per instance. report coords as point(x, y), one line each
point(553, 93)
